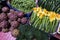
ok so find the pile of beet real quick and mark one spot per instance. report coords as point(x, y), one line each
point(10, 20)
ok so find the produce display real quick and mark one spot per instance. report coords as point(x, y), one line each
point(23, 5)
point(10, 20)
point(44, 20)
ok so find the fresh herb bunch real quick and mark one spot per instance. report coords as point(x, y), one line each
point(28, 32)
point(23, 5)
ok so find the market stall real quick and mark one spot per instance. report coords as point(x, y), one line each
point(29, 19)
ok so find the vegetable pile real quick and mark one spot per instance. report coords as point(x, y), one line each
point(51, 5)
point(10, 20)
point(44, 19)
point(23, 5)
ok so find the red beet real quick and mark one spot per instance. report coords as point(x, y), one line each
point(14, 24)
point(20, 14)
point(4, 24)
point(24, 20)
point(19, 20)
point(12, 16)
point(5, 9)
point(3, 16)
point(12, 11)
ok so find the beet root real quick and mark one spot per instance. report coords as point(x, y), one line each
point(5, 9)
point(19, 20)
point(12, 11)
point(14, 24)
point(20, 14)
point(3, 16)
point(24, 20)
point(4, 24)
point(12, 16)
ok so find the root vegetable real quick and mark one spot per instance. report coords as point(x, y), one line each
point(5, 9)
point(4, 24)
point(20, 14)
point(12, 11)
point(24, 20)
point(12, 16)
point(19, 20)
point(15, 32)
point(3, 16)
point(14, 24)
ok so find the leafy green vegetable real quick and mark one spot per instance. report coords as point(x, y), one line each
point(23, 5)
point(51, 5)
point(28, 32)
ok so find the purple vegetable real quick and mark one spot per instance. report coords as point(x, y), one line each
point(14, 24)
point(20, 14)
point(12, 11)
point(5, 9)
point(4, 24)
point(3, 16)
point(19, 20)
point(24, 20)
point(12, 16)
